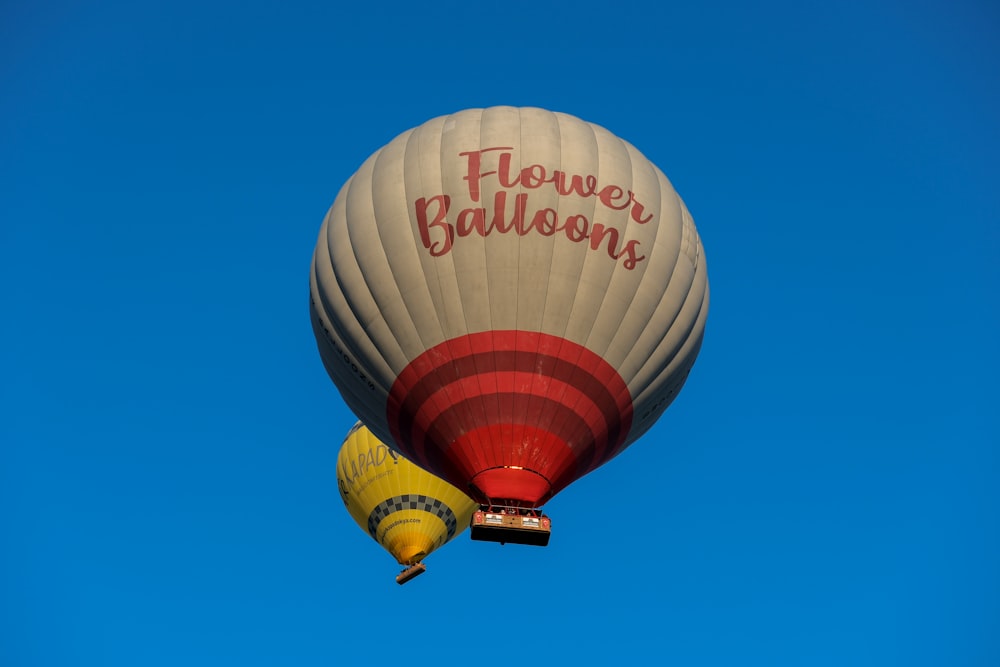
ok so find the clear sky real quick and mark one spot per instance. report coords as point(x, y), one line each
point(823, 492)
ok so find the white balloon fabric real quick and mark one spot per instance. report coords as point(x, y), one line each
point(510, 295)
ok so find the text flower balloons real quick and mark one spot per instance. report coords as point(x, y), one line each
point(511, 296)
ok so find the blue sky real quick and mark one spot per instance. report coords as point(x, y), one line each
point(823, 492)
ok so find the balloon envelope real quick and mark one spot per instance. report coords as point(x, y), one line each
point(511, 295)
point(407, 510)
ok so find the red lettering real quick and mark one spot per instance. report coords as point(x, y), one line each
point(533, 176)
point(631, 253)
point(471, 219)
point(474, 173)
point(546, 221)
point(577, 227)
point(585, 186)
point(598, 233)
point(637, 210)
point(500, 211)
point(443, 202)
point(610, 193)
point(503, 169)
point(438, 235)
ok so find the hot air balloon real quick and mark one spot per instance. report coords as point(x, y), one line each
point(407, 510)
point(512, 296)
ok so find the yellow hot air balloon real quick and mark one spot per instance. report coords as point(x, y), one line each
point(512, 296)
point(407, 510)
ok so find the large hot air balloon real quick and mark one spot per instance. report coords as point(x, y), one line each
point(510, 295)
point(407, 510)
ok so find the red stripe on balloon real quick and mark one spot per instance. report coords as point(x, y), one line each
point(524, 442)
point(503, 399)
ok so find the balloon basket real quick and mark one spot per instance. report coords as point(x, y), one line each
point(409, 573)
point(516, 525)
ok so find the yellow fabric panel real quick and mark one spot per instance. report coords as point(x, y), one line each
point(407, 510)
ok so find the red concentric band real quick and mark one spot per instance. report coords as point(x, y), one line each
point(509, 400)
